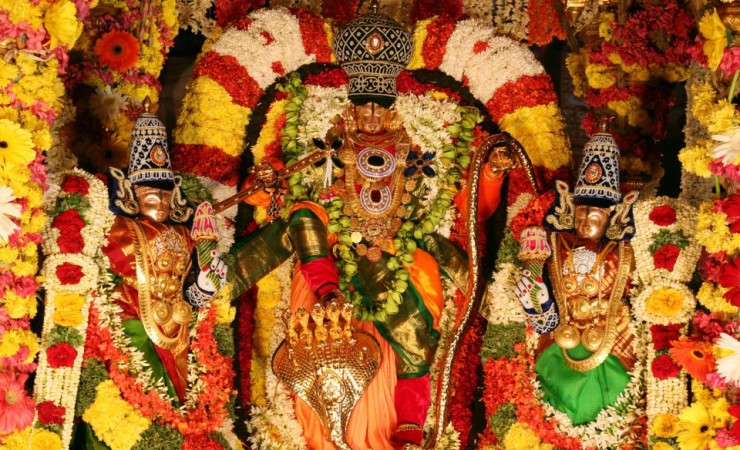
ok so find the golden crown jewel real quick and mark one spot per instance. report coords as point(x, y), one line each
point(327, 363)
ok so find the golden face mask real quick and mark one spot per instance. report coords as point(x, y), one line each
point(153, 202)
point(591, 222)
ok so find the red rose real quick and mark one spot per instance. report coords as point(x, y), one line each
point(69, 220)
point(50, 413)
point(663, 367)
point(76, 184)
point(69, 273)
point(61, 355)
point(663, 215)
point(664, 334)
point(665, 257)
point(70, 243)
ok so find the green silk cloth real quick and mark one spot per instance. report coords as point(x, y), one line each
point(580, 395)
point(134, 330)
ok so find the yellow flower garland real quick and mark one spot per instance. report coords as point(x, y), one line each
point(113, 419)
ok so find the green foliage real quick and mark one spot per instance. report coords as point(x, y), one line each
point(159, 437)
point(194, 191)
point(72, 201)
point(499, 340)
point(502, 420)
point(509, 250)
point(65, 334)
point(665, 237)
point(92, 374)
point(218, 437)
point(224, 336)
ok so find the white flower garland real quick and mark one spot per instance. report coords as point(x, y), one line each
point(684, 315)
point(500, 304)
point(275, 427)
point(273, 37)
point(424, 118)
point(59, 385)
point(646, 229)
point(510, 18)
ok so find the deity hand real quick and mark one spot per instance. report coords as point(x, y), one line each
point(264, 173)
point(210, 278)
point(501, 158)
point(539, 307)
point(531, 290)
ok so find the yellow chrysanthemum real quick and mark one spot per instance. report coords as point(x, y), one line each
point(8, 73)
point(600, 76)
point(45, 440)
point(665, 302)
point(695, 430)
point(113, 419)
point(67, 309)
point(16, 144)
point(23, 10)
point(521, 437)
point(18, 306)
point(664, 425)
point(60, 20)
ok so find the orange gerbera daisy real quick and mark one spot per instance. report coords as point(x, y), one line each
point(118, 50)
point(695, 357)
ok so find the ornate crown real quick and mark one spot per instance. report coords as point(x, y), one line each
point(150, 160)
point(373, 49)
point(327, 363)
point(598, 176)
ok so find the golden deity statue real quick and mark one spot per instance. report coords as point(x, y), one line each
point(586, 348)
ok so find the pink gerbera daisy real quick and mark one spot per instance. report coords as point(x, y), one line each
point(16, 408)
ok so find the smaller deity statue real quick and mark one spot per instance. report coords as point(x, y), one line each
point(586, 349)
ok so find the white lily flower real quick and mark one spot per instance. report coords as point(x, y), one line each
point(729, 366)
point(727, 148)
point(8, 209)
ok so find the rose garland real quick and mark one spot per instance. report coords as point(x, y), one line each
point(37, 36)
point(79, 218)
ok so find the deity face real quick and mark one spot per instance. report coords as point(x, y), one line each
point(591, 222)
point(371, 118)
point(154, 203)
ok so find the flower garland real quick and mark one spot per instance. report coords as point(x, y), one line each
point(121, 53)
point(623, 54)
point(79, 218)
point(204, 411)
point(37, 36)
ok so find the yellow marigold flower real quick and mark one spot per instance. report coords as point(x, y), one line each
point(712, 297)
point(695, 427)
point(605, 27)
point(23, 10)
point(521, 437)
point(712, 28)
point(16, 144)
point(113, 419)
point(60, 20)
point(8, 73)
point(68, 309)
point(600, 76)
point(45, 440)
point(662, 446)
point(665, 302)
point(10, 343)
point(723, 117)
point(16, 440)
point(18, 307)
point(664, 425)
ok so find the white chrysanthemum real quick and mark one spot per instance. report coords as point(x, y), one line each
point(729, 366)
point(8, 209)
point(106, 104)
point(728, 147)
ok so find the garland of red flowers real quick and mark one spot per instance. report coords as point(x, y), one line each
point(210, 410)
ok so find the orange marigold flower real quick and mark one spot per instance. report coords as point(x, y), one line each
point(118, 50)
point(695, 357)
